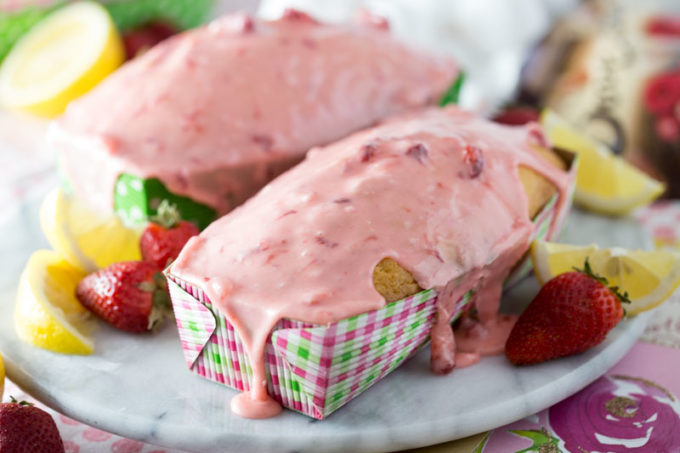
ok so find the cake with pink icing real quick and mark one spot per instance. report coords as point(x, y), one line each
point(208, 117)
point(435, 201)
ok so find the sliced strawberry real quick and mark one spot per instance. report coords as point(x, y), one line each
point(131, 296)
point(473, 159)
point(571, 313)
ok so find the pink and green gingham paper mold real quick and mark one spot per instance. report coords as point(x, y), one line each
point(317, 369)
point(311, 369)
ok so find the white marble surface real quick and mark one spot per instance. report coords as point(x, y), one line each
point(138, 386)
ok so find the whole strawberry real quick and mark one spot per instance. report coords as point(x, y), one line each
point(25, 428)
point(516, 115)
point(139, 40)
point(131, 295)
point(571, 313)
point(165, 236)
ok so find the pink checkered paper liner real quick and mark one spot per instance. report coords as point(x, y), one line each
point(311, 369)
point(317, 369)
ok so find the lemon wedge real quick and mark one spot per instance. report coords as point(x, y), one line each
point(85, 238)
point(60, 58)
point(605, 183)
point(47, 313)
point(648, 277)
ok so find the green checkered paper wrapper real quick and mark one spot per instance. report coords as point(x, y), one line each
point(317, 369)
point(137, 199)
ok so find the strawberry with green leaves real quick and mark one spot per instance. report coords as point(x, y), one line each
point(165, 236)
point(131, 296)
point(571, 313)
point(25, 428)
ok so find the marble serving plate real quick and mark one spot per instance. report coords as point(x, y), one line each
point(139, 386)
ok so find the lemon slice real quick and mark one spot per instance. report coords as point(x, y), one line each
point(85, 238)
point(59, 59)
point(605, 183)
point(648, 277)
point(47, 313)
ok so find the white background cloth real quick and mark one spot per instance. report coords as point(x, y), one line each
point(488, 38)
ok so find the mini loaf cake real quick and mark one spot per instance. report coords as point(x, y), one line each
point(208, 117)
point(439, 201)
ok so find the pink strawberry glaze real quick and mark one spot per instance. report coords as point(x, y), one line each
point(255, 404)
point(305, 247)
point(217, 112)
point(487, 337)
point(466, 359)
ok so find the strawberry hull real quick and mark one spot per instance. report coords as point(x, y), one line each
point(316, 369)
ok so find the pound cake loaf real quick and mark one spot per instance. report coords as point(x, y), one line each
point(341, 268)
point(208, 117)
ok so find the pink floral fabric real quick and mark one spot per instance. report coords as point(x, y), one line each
point(634, 408)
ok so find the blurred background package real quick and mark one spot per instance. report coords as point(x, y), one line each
point(612, 68)
point(489, 38)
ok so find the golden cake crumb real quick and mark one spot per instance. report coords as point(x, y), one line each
point(393, 282)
